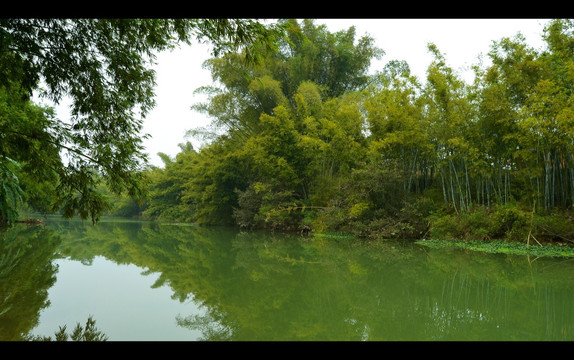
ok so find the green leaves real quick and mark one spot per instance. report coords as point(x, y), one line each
point(307, 139)
point(105, 67)
point(10, 191)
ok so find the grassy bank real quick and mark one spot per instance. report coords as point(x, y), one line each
point(504, 247)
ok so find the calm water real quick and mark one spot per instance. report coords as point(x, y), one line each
point(144, 281)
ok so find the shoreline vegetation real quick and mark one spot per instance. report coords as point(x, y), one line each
point(504, 247)
point(515, 246)
point(386, 157)
point(563, 249)
point(309, 141)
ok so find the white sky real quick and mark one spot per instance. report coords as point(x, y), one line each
point(180, 72)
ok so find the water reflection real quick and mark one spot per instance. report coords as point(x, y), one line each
point(259, 286)
point(26, 274)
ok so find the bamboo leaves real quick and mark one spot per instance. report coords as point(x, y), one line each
point(10, 191)
point(300, 150)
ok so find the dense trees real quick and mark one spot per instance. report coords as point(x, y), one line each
point(289, 131)
point(304, 139)
point(104, 66)
point(309, 140)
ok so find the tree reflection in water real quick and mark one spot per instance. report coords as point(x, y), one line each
point(260, 286)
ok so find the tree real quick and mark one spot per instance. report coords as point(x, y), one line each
point(547, 116)
point(337, 62)
point(104, 66)
point(291, 122)
point(449, 114)
point(26, 164)
point(307, 140)
point(397, 126)
point(168, 186)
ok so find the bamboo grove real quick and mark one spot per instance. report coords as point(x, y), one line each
point(308, 140)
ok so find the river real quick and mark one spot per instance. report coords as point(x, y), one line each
point(145, 281)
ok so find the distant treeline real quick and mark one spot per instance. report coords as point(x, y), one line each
point(309, 140)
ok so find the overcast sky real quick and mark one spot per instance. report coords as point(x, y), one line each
point(180, 72)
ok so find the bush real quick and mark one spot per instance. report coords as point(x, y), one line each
point(331, 218)
point(249, 202)
point(479, 225)
point(446, 227)
point(553, 228)
point(510, 222)
point(506, 221)
point(389, 228)
point(410, 222)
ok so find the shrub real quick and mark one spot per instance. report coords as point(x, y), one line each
point(510, 222)
point(479, 224)
point(506, 221)
point(553, 227)
point(446, 227)
point(331, 218)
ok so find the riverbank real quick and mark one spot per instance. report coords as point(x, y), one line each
point(562, 250)
point(504, 247)
point(501, 246)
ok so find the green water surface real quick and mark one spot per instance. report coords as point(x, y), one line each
point(148, 281)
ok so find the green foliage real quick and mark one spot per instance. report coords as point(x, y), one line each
point(27, 272)
point(503, 247)
point(88, 332)
point(286, 144)
point(27, 154)
point(555, 227)
point(332, 61)
point(510, 222)
point(246, 214)
point(104, 66)
point(167, 188)
point(506, 221)
point(308, 141)
point(446, 227)
point(10, 191)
